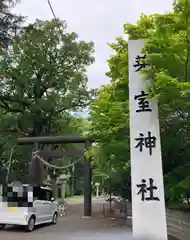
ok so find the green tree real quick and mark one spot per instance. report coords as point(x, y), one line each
point(167, 48)
point(44, 74)
point(44, 79)
point(109, 127)
point(9, 23)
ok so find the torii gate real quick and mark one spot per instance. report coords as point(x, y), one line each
point(36, 141)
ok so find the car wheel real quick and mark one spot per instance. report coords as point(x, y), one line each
point(55, 217)
point(2, 226)
point(31, 224)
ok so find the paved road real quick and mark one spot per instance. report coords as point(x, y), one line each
point(74, 227)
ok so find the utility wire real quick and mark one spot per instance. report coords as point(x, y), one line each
point(35, 153)
point(51, 8)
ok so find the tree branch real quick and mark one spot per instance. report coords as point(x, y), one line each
point(73, 105)
point(14, 99)
point(5, 106)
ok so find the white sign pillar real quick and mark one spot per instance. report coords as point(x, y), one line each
point(148, 203)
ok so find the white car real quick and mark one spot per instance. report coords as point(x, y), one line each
point(27, 206)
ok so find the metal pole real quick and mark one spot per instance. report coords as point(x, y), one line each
point(87, 185)
point(10, 162)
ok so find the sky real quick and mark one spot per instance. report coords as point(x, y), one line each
point(100, 21)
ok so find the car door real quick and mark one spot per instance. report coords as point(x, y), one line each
point(38, 205)
point(45, 203)
point(38, 209)
point(49, 204)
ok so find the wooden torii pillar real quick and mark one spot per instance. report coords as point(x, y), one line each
point(36, 141)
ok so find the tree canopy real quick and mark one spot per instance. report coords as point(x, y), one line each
point(167, 49)
point(43, 75)
point(43, 81)
point(9, 23)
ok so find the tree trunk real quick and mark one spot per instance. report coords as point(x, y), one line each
point(36, 170)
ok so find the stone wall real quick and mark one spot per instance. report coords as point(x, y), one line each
point(178, 223)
